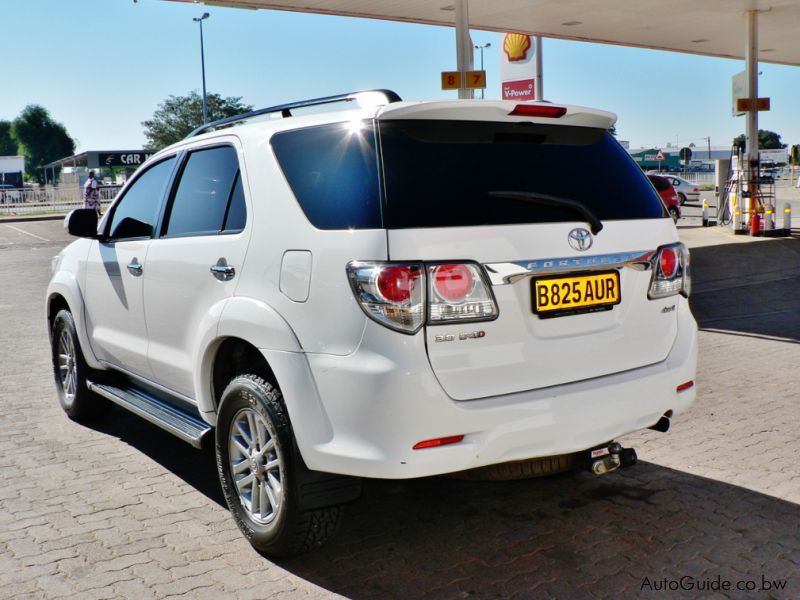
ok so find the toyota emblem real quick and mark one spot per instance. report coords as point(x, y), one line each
point(580, 239)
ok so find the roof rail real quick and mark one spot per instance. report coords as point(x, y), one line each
point(286, 109)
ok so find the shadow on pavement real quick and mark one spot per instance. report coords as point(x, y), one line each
point(749, 288)
point(198, 468)
point(572, 535)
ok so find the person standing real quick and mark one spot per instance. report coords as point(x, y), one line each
point(91, 193)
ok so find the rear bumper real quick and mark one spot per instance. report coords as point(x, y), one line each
point(361, 414)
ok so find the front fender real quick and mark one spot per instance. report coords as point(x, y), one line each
point(65, 284)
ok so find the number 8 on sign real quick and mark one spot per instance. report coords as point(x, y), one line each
point(451, 80)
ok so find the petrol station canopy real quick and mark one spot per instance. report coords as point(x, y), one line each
point(703, 27)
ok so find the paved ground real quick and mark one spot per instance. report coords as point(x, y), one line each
point(125, 510)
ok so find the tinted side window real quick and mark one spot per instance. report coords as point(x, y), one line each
point(201, 199)
point(138, 209)
point(333, 173)
point(237, 212)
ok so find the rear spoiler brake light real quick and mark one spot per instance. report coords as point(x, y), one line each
point(535, 110)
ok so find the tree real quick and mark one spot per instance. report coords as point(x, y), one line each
point(177, 116)
point(8, 146)
point(767, 140)
point(41, 140)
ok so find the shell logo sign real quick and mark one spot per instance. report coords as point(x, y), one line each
point(516, 46)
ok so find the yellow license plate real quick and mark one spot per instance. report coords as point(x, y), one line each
point(583, 293)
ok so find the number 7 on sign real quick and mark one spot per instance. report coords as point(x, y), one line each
point(476, 79)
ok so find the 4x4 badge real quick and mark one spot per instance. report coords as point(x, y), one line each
point(580, 239)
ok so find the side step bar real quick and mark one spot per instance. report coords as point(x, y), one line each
point(187, 427)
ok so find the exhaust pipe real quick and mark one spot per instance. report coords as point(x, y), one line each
point(662, 425)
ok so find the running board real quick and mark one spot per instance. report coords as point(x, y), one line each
point(187, 427)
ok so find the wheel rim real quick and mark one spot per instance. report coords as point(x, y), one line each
point(67, 367)
point(256, 465)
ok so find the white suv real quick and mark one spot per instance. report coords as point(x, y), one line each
point(392, 290)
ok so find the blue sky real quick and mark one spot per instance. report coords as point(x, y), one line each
point(102, 66)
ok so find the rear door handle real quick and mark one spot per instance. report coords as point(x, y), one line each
point(223, 271)
point(134, 268)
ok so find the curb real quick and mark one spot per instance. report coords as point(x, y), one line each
point(23, 218)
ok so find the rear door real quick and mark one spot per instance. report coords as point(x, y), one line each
point(193, 265)
point(443, 183)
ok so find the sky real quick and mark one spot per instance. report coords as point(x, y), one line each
point(101, 67)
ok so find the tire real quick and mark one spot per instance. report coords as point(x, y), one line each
point(286, 530)
point(524, 469)
point(673, 212)
point(682, 197)
point(70, 371)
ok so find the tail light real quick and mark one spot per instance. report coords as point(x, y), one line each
point(393, 294)
point(696, 190)
point(459, 292)
point(671, 272)
point(398, 295)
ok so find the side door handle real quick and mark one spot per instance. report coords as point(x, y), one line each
point(223, 271)
point(135, 268)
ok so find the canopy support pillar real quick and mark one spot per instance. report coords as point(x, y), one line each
point(751, 134)
point(464, 45)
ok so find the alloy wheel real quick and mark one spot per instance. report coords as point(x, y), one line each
point(256, 465)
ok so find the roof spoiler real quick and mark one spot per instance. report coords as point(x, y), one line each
point(388, 97)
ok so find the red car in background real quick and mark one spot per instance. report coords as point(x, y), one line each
point(668, 195)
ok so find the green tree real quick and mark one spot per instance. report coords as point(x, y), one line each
point(177, 116)
point(41, 140)
point(8, 146)
point(767, 140)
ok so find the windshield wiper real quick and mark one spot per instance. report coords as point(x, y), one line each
point(555, 201)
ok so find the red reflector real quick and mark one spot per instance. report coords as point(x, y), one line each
point(453, 282)
point(696, 190)
point(669, 262)
point(536, 110)
point(443, 441)
point(685, 386)
point(396, 283)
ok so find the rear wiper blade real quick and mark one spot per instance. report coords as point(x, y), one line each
point(554, 201)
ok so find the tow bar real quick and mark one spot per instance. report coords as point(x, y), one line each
point(610, 457)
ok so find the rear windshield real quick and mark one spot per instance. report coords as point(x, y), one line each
point(448, 174)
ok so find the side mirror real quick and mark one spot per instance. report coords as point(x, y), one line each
point(82, 222)
point(131, 228)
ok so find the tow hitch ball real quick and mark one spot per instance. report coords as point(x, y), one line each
point(609, 458)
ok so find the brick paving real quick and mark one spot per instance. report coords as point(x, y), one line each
point(125, 510)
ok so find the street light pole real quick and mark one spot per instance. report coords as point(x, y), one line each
point(203, 65)
point(481, 47)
